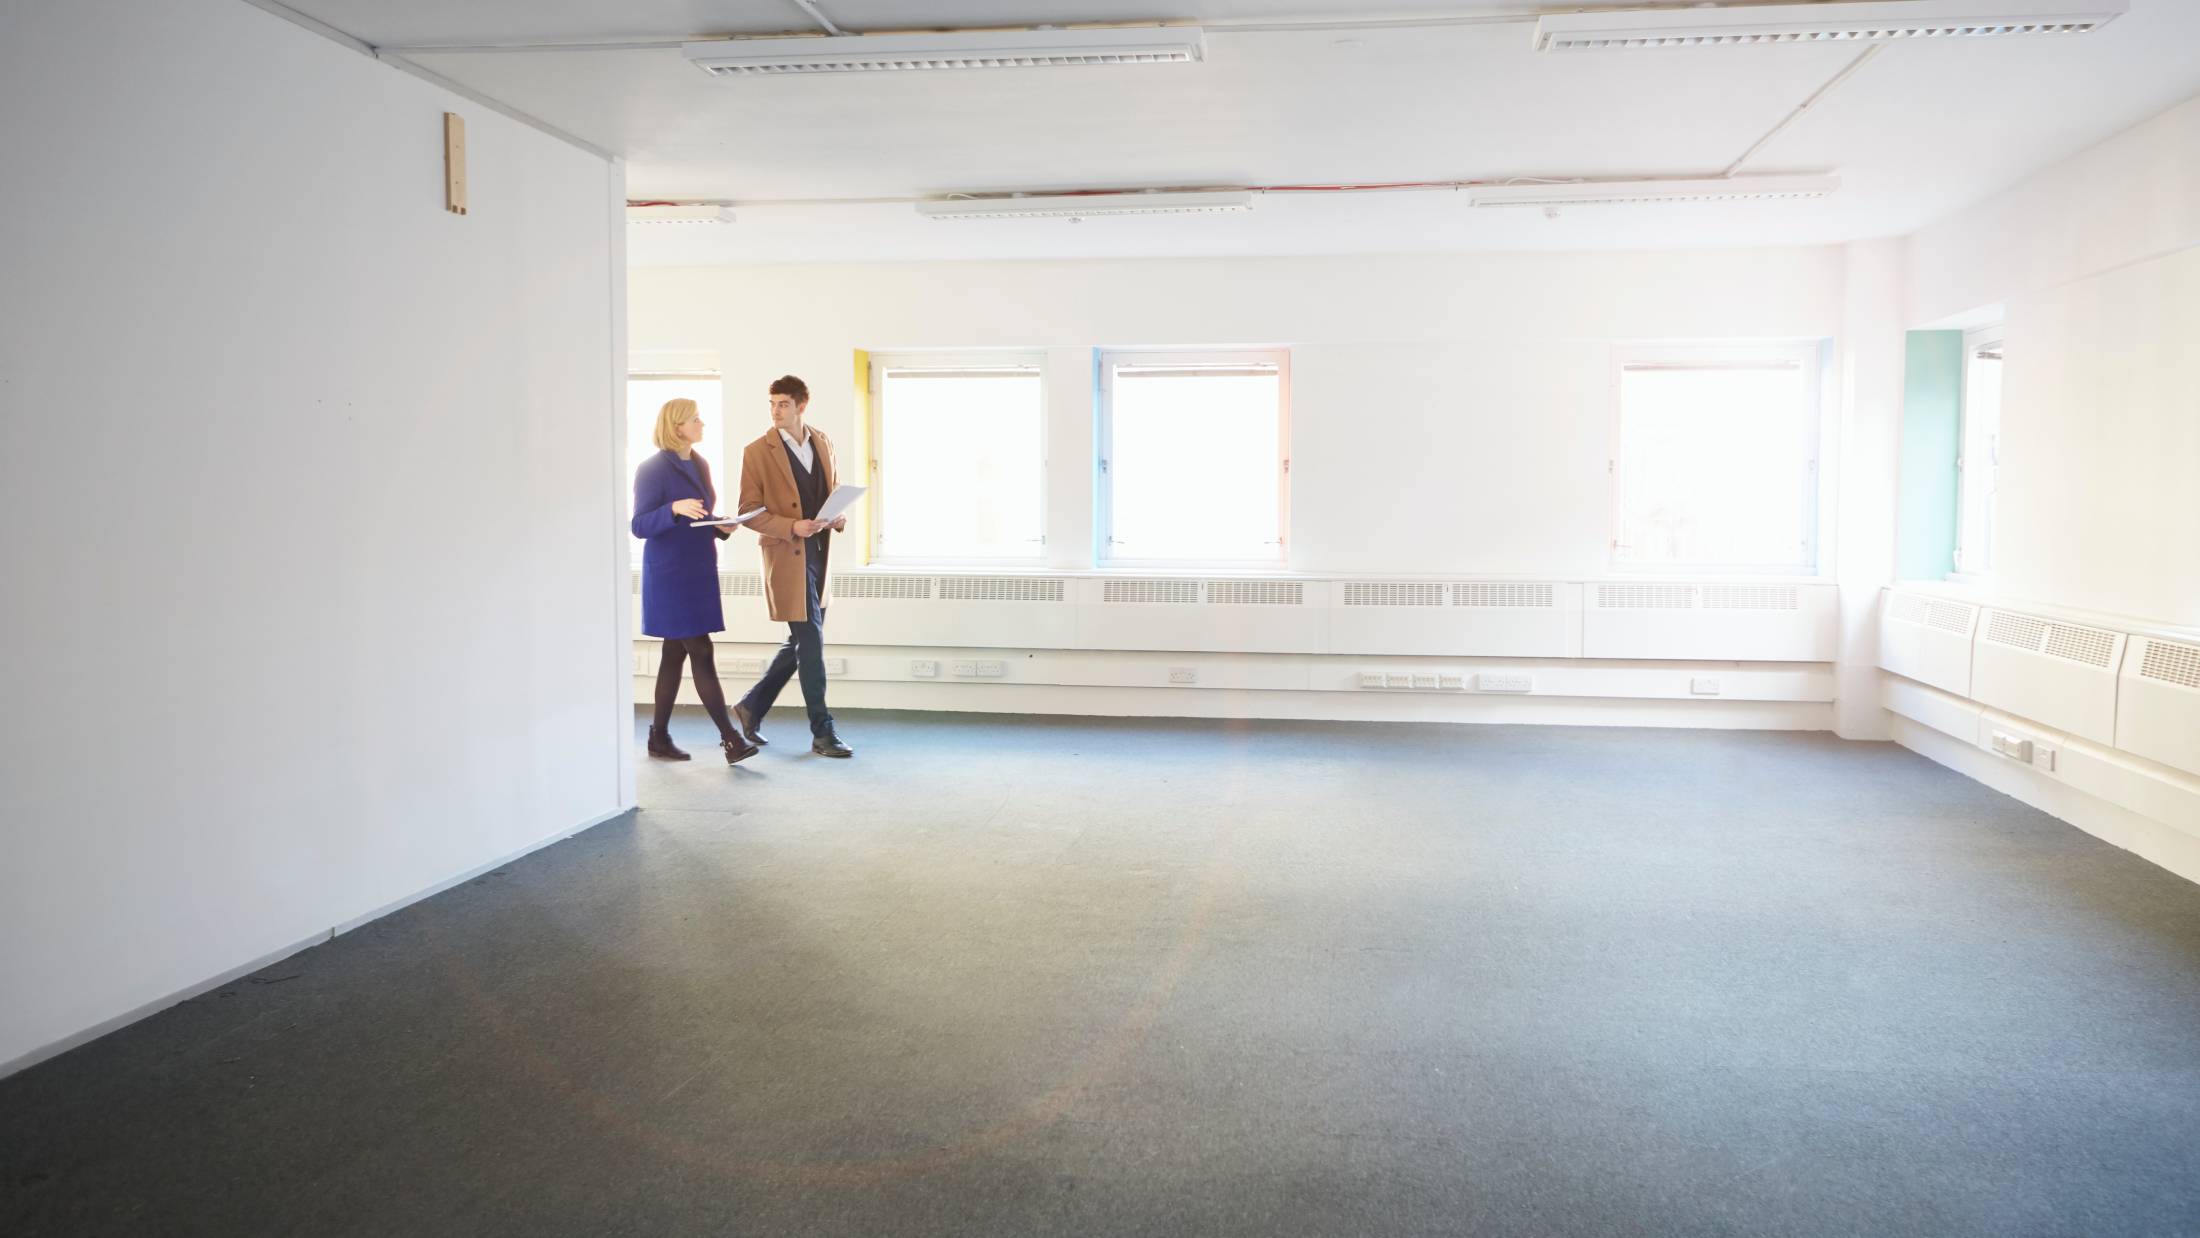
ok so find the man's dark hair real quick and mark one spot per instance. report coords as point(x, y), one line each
point(788, 384)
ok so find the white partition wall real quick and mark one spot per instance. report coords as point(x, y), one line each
point(310, 500)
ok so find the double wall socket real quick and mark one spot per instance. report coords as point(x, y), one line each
point(983, 668)
point(1417, 681)
point(924, 668)
point(1504, 681)
point(2018, 748)
point(1183, 674)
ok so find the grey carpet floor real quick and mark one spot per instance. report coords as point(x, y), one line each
point(1006, 976)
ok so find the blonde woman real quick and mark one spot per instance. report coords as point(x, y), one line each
point(672, 490)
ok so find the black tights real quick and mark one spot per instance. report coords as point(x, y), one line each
point(697, 651)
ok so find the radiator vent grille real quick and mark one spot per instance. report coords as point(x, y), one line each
point(2016, 631)
point(1256, 592)
point(882, 587)
point(1907, 607)
point(1646, 597)
point(741, 584)
point(1503, 594)
point(2087, 645)
point(1752, 597)
point(2171, 663)
point(1173, 592)
point(1392, 593)
point(1950, 617)
point(1000, 589)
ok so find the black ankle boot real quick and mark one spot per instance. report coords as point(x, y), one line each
point(737, 749)
point(661, 746)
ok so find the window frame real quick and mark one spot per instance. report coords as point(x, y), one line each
point(875, 441)
point(1993, 336)
point(1806, 357)
point(1105, 363)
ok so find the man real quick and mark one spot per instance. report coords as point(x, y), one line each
point(789, 472)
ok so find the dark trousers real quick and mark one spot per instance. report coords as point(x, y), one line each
point(804, 650)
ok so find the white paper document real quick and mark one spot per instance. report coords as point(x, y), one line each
point(716, 521)
point(838, 502)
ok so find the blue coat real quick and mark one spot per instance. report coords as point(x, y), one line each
point(679, 561)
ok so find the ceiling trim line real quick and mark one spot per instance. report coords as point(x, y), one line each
point(1219, 27)
point(397, 61)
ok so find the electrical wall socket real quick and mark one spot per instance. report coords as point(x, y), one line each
point(748, 666)
point(1371, 679)
point(1503, 682)
point(1183, 674)
point(836, 666)
point(1704, 685)
point(1398, 679)
point(1451, 682)
point(1424, 681)
point(2015, 747)
point(925, 668)
point(992, 669)
point(963, 670)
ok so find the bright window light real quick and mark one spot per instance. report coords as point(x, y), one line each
point(645, 395)
point(1192, 468)
point(1980, 458)
point(1717, 462)
point(961, 460)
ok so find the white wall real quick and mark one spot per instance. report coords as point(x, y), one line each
point(2096, 263)
point(1450, 413)
point(307, 494)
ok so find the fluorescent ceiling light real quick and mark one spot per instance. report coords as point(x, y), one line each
point(1875, 22)
point(1085, 205)
point(679, 214)
point(1603, 193)
point(974, 49)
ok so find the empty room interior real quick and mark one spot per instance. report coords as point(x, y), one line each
point(1100, 617)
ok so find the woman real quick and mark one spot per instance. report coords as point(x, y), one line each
point(672, 490)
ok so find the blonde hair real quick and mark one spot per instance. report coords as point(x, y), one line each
point(670, 418)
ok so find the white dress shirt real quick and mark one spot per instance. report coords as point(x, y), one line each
point(802, 450)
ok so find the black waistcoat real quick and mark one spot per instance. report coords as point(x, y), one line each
point(811, 486)
point(808, 484)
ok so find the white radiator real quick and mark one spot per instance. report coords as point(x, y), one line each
point(2058, 674)
point(1691, 621)
point(1927, 639)
point(968, 611)
point(2158, 702)
point(1476, 618)
point(1236, 615)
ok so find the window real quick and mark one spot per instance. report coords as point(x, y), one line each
point(1716, 461)
point(1193, 457)
point(959, 458)
point(1978, 460)
point(645, 395)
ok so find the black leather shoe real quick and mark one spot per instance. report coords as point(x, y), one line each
point(737, 750)
point(748, 726)
point(661, 746)
point(829, 745)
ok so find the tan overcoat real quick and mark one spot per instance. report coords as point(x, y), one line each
point(767, 481)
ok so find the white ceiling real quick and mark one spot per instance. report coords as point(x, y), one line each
point(1923, 129)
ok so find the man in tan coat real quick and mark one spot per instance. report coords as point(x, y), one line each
point(789, 473)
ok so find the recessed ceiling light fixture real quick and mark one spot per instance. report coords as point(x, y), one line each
point(1847, 21)
point(969, 49)
point(678, 213)
point(1085, 205)
point(1613, 193)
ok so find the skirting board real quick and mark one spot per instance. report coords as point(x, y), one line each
point(2150, 840)
point(1459, 707)
point(208, 985)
